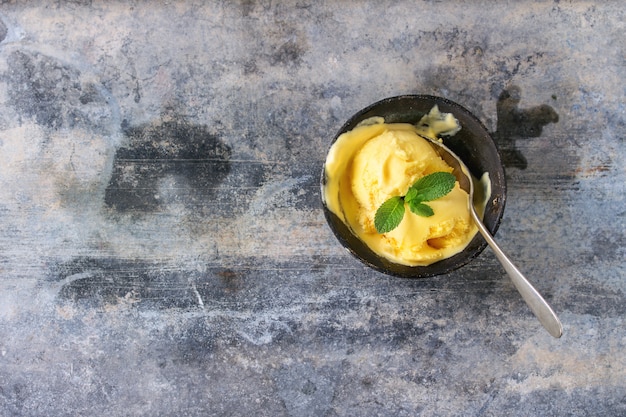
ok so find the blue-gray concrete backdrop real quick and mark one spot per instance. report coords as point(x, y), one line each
point(162, 247)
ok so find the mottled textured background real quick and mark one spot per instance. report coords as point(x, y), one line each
point(162, 246)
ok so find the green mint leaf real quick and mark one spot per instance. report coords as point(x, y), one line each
point(433, 186)
point(389, 215)
point(421, 209)
point(411, 194)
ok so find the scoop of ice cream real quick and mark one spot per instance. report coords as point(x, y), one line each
point(387, 165)
point(375, 162)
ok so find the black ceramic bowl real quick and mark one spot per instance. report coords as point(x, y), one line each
point(473, 144)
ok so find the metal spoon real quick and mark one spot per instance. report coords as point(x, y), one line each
point(535, 301)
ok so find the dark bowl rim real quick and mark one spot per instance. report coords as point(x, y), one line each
point(417, 272)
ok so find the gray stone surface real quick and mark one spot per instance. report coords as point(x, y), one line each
point(162, 246)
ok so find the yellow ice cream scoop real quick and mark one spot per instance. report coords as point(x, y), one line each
point(376, 161)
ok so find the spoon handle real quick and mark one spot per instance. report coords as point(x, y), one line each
point(535, 301)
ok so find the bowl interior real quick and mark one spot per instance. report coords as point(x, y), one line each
point(473, 144)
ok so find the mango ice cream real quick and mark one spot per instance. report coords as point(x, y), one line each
point(376, 161)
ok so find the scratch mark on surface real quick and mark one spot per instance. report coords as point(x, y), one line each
point(72, 158)
point(198, 296)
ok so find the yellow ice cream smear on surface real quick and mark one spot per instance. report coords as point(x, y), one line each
point(374, 162)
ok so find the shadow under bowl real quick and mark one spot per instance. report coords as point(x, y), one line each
point(473, 144)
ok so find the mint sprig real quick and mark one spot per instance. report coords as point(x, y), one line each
point(428, 188)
